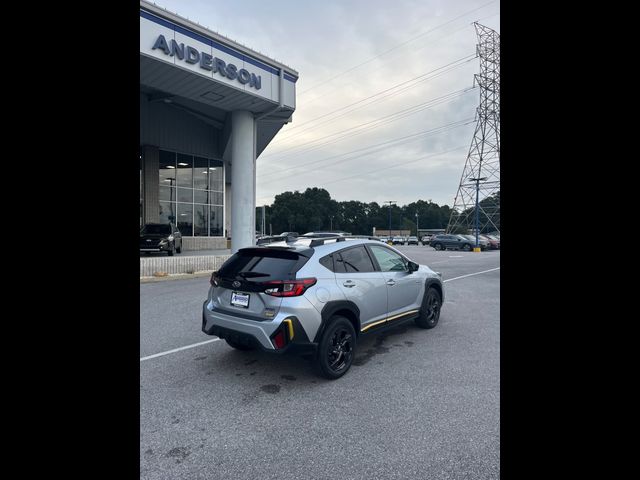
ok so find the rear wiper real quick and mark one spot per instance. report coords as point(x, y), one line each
point(252, 274)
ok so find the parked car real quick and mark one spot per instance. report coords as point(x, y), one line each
point(494, 242)
point(160, 237)
point(484, 244)
point(426, 239)
point(412, 241)
point(397, 241)
point(318, 297)
point(457, 242)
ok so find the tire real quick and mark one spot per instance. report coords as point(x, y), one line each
point(438, 246)
point(332, 362)
point(179, 250)
point(467, 247)
point(430, 311)
point(239, 346)
point(172, 251)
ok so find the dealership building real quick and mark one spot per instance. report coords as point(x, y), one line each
point(208, 108)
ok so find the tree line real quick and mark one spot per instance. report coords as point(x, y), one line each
point(314, 210)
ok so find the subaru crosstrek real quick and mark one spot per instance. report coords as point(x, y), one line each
point(318, 297)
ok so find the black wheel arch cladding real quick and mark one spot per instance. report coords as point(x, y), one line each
point(345, 308)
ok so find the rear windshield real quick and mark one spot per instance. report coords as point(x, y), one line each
point(156, 229)
point(262, 265)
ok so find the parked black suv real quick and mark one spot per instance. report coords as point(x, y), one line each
point(160, 237)
point(458, 242)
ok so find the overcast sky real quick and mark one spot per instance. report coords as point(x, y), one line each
point(403, 39)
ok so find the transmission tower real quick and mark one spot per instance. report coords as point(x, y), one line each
point(480, 182)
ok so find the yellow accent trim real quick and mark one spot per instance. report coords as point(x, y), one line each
point(477, 249)
point(373, 324)
point(395, 317)
point(290, 325)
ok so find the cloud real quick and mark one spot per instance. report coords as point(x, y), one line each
point(322, 39)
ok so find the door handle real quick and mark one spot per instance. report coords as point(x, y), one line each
point(391, 283)
point(349, 283)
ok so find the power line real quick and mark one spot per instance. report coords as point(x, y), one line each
point(378, 122)
point(394, 166)
point(373, 149)
point(450, 66)
point(395, 48)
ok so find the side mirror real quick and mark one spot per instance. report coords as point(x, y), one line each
point(413, 267)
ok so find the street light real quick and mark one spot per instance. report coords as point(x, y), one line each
point(417, 225)
point(477, 180)
point(331, 218)
point(390, 202)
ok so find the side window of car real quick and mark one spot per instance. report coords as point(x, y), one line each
point(354, 260)
point(389, 260)
point(327, 262)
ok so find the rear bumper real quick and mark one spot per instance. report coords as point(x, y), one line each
point(257, 334)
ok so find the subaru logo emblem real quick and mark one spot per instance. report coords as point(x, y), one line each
point(236, 284)
point(148, 240)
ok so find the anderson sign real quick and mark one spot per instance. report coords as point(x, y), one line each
point(207, 62)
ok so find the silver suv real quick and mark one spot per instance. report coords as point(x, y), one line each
point(318, 297)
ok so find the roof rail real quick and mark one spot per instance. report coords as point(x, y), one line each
point(320, 241)
point(276, 238)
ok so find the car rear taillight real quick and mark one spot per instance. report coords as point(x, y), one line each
point(278, 339)
point(214, 281)
point(288, 288)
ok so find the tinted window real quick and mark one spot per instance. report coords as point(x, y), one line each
point(327, 262)
point(157, 229)
point(388, 260)
point(354, 260)
point(262, 265)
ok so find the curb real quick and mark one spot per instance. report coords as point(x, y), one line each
point(175, 276)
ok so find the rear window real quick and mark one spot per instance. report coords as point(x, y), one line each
point(262, 265)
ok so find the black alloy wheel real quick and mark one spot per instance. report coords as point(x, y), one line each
point(336, 348)
point(467, 247)
point(430, 311)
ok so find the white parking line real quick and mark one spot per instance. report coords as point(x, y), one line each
point(456, 256)
point(469, 275)
point(156, 355)
point(177, 349)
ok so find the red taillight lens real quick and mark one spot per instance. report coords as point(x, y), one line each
point(288, 288)
point(278, 339)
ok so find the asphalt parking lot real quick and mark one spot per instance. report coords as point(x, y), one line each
point(419, 404)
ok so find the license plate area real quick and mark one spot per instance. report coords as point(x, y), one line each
point(240, 299)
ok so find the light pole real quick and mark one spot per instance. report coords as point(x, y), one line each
point(331, 218)
point(477, 180)
point(390, 202)
point(417, 225)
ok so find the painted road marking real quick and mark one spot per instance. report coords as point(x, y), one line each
point(177, 349)
point(456, 256)
point(470, 275)
point(168, 352)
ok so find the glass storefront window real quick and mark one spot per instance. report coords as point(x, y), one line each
point(216, 225)
point(185, 219)
point(200, 220)
point(185, 195)
point(167, 193)
point(185, 170)
point(167, 170)
point(191, 193)
point(167, 212)
point(201, 196)
point(200, 173)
